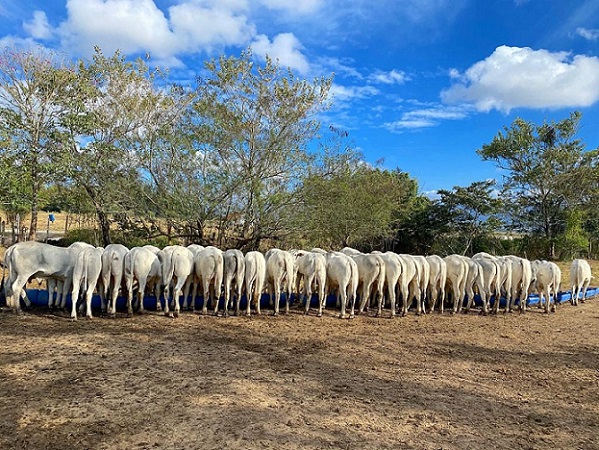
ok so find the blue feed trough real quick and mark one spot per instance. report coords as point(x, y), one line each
point(39, 297)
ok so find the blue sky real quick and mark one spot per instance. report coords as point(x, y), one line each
point(420, 83)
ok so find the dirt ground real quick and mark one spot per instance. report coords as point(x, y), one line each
point(299, 382)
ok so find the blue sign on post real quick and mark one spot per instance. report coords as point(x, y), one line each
point(51, 218)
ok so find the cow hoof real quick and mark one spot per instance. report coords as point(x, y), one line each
point(89, 317)
point(129, 315)
point(319, 314)
point(167, 314)
point(176, 314)
point(352, 316)
point(73, 319)
point(342, 316)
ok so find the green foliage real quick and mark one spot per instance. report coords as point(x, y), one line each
point(573, 243)
point(353, 207)
point(469, 215)
point(547, 171)
point(254, 125)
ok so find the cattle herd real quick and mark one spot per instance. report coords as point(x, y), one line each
point(176, 272)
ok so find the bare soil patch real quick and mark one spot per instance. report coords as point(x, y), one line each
point(300, 382)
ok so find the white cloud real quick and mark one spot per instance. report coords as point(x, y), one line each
point(139, 26)
point(38, 27)
point(588, 34)
point(18, 43)
point(296, 6)
point(285, 48)
point(426, 117)
point(394, 76)
point(341, 93)
point(403, 124)
point(129, 25)
point(443, 113)
point(202, 26)
point(514, 77)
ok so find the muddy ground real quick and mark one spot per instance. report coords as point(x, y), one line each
point(297, 382)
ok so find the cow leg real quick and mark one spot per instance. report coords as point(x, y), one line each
point(249, 294)
point(206, 291)
point(392, 298)
point(352, 297)
point(276, 297)
point(364, 297)
point(17, 292)
point(308, 288)
point(140, 295)
point(74, 297)
point(129, 284)
point(342, 298)
point(321, 297)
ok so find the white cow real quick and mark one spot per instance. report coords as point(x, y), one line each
point(280, 271)
point(152, 248)
point(350, 251)
point(485, 280)
point(195, 248)
point(233, 275)
point(409, 282)
point(177, 264)
point(86, 273)
point(371, 275)
point(143, 265)
point(547, 279)
point(457, 273)
point(437, 280)
point(521, 280)
point(342, 275)
point(113, 269)
point(255, 276)
point(209, 267)
point(312, 268)
point(580, 277)
point(54, 284)
point(424, 271)
point(28, 260)
point(493, 273)
point(393, 271)
point(57, 284)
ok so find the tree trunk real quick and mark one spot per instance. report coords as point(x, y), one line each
point(34, 214)
point(104, 225)
point(102, 216)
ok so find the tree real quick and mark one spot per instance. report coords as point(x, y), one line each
point(114, 105)
point(547, 170)
point(355, 207)
point(467, 214)
point(254, 123)
point(32, 87)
